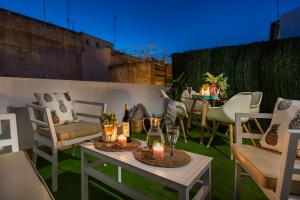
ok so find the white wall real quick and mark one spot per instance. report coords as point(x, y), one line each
point(290, 24)
point(17, 92)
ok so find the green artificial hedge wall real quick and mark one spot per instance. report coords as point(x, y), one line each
point(271, 67)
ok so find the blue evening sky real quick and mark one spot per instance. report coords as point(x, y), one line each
point(173, 25)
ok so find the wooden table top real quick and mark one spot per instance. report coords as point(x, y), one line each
point(185, 175)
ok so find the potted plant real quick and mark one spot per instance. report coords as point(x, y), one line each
point(223, 86)
point(109, 123)
point(218, 84)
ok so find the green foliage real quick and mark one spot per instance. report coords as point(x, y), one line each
point(272, 67)
point(109, 118)
point(221, 80)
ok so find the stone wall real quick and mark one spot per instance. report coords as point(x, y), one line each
point(31, 48)
point(139, 72)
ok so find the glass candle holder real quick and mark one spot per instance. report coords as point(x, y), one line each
point(122, 141)
point(158, 150)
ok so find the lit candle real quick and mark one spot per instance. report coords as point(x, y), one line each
point(158, 150)
point(122, 140)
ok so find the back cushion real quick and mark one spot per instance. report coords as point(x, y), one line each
point(286, 115)
point(60, 105)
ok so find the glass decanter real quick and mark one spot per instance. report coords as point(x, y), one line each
point(154, 134)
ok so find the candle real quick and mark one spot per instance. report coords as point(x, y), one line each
point(158, 150)
point(122, 140)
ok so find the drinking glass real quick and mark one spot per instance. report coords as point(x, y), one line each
point(173, 134)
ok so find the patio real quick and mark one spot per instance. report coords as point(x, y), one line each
point(222, 174)
point(215, 114)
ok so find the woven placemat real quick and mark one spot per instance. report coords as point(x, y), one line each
point(114, 147)
point(145, 156)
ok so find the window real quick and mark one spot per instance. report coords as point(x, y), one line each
point(97, 44)
point(87, 42)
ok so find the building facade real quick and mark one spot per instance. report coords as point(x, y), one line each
point(35, 49)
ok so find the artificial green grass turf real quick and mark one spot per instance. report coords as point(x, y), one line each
point(69, 179)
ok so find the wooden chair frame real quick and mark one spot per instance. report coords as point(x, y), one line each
point(287, 163)
point(52, 141)
point(13, 141)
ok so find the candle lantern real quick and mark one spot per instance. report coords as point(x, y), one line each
point(122, 141)
point(158, 150)
point(205, 90)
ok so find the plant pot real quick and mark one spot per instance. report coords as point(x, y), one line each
point(109, 133)
point(213, 89)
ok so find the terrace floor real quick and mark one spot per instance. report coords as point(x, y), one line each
point(69, 179)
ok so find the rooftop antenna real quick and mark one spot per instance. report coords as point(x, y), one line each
point(68, 13)
point(277, 5)
point(45, 1)
point(115, 19)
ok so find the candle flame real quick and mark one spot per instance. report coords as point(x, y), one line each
point(121, 137)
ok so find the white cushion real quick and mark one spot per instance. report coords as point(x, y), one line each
point(60, 105)
point(286, 115)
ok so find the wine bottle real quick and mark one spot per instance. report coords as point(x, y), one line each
point(126, 124)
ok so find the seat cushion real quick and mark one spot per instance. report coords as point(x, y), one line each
point(263, 166)
point(20, 180)
point(73, 130)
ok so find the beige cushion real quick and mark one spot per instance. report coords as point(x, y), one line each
point(60, 105)
point(73, 130)
point(20, 180)
point(263, 166)
point(286, 115)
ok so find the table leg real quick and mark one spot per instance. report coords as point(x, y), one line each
point(203, 122)
point(191, 114)
point(207, 181)
point(84, 177)
point(184, 194)
point(119, 174)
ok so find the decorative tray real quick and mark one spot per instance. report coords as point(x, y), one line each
point(179, 160)
point(114, 147)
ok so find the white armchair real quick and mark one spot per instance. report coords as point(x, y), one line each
point(277, 175)
point(60, 136)
point(226, 113)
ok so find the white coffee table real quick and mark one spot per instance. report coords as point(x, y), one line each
point(181, 179)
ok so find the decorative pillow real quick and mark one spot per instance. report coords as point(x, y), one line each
point(286, 115)
point(61, 107)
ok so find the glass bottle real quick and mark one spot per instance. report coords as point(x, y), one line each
point(126, 124)
point(154, 134)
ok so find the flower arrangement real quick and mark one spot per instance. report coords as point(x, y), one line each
point(109, 118)
point(219, 83)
